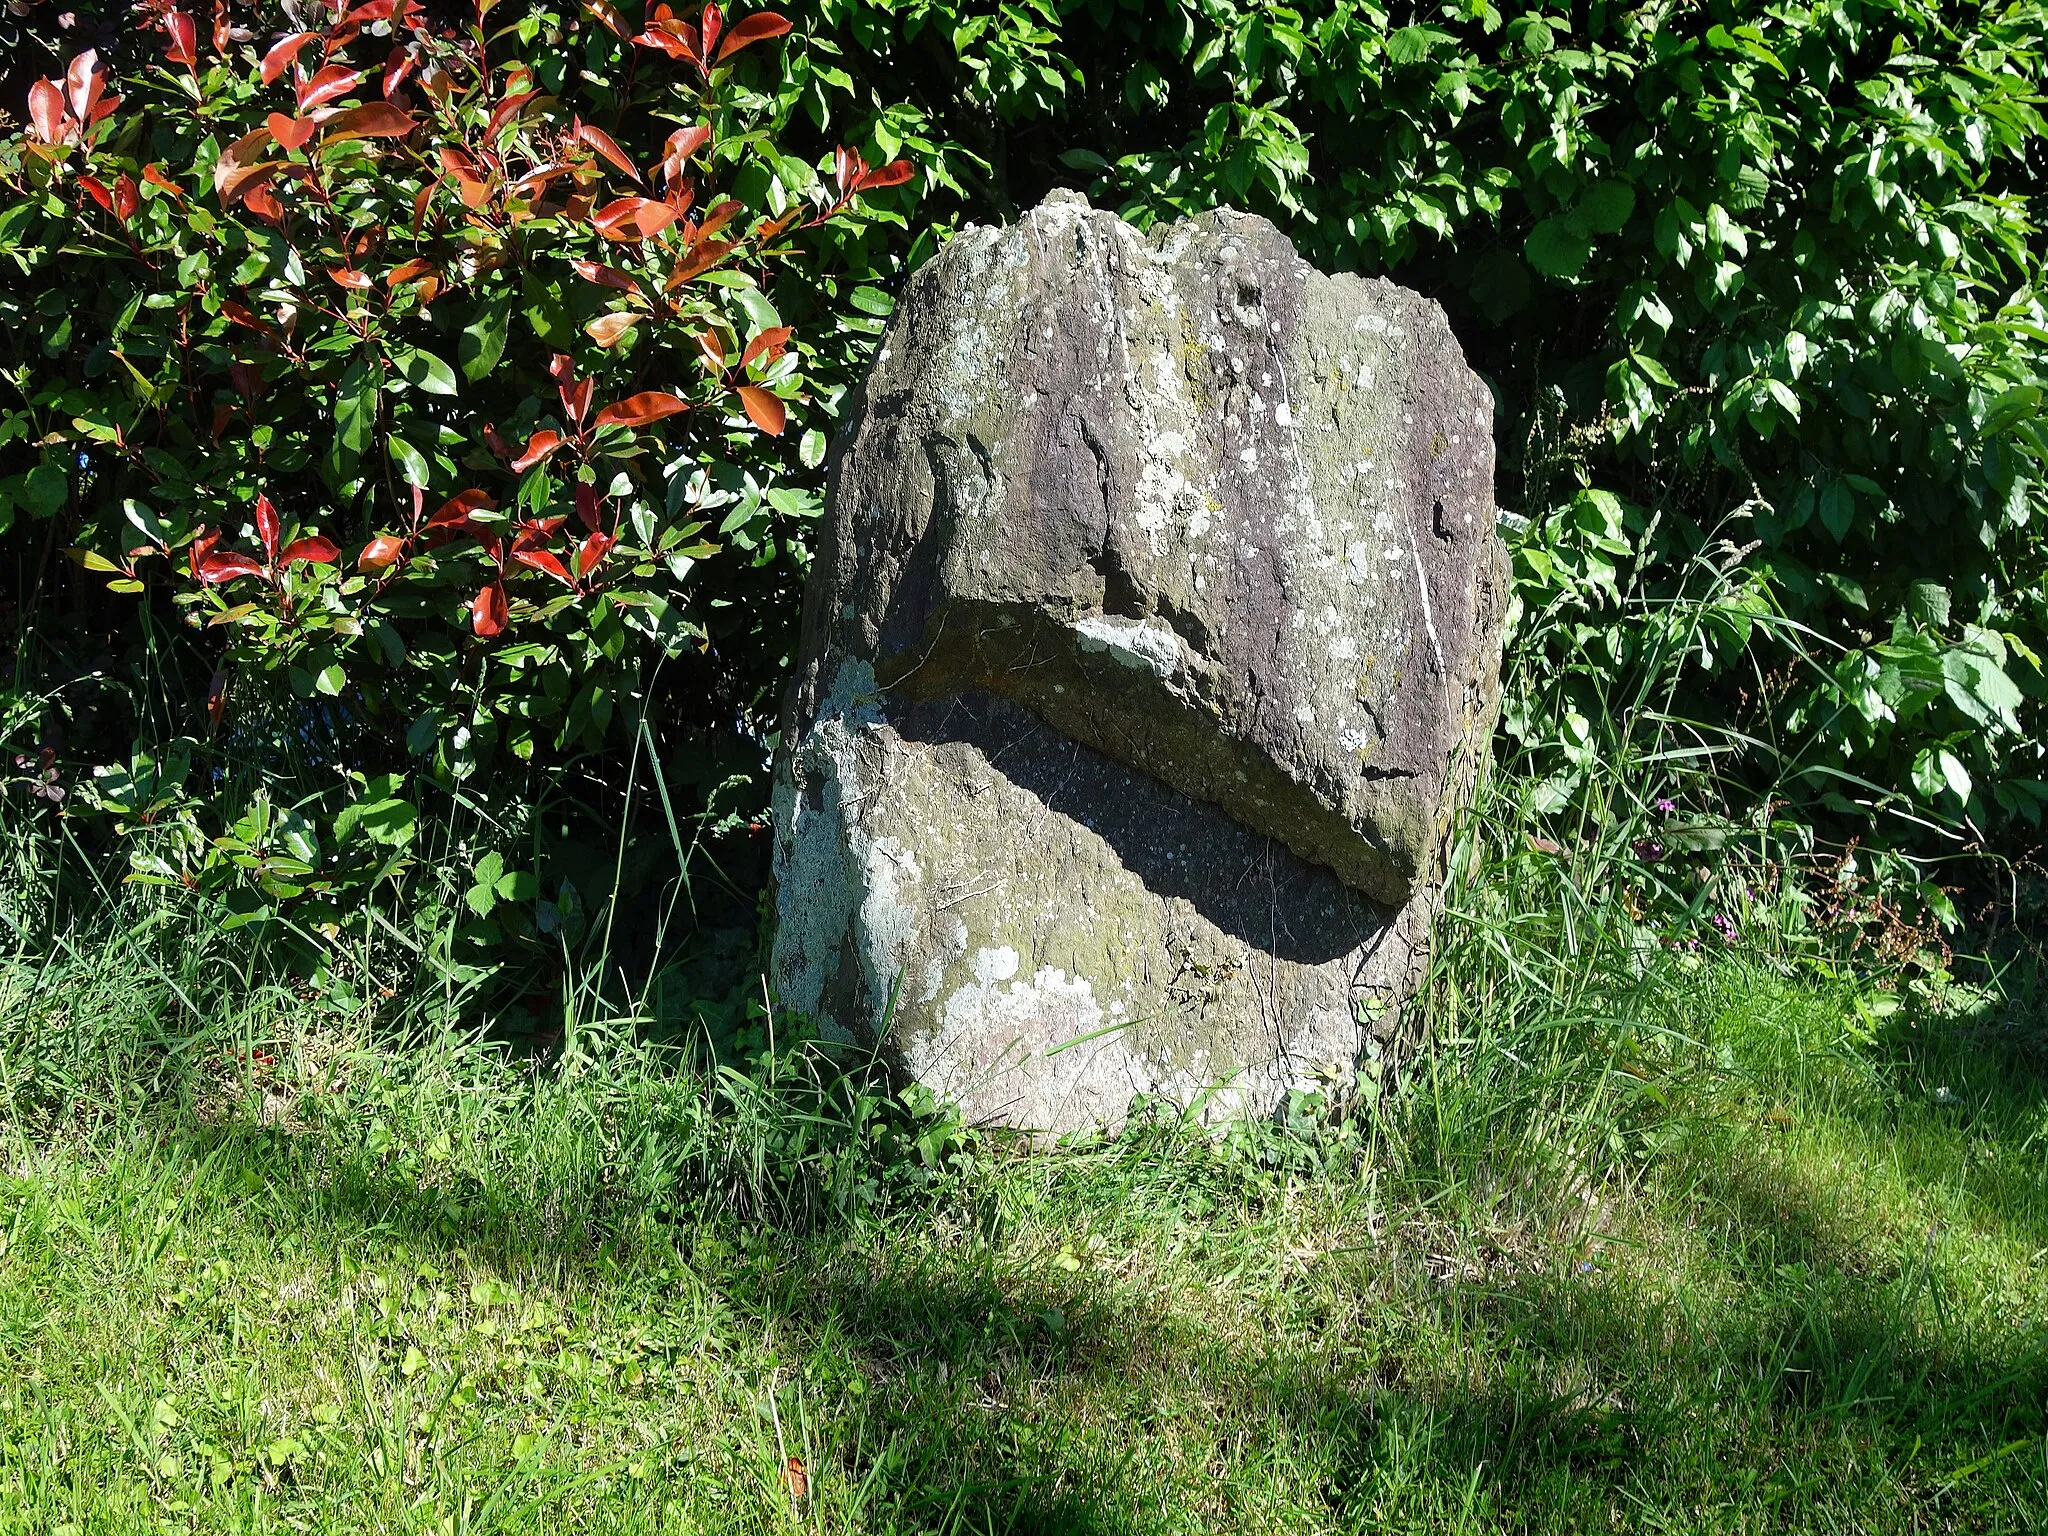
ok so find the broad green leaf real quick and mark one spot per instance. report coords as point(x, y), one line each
point(355, 409)
point(483, 339)
point(1557, 249)
point(426, 372)
point(1605, 209)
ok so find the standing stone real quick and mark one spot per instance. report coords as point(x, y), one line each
point(1153, 637)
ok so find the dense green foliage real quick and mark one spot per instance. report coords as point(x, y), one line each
point(1758, 290)
point(431, 449)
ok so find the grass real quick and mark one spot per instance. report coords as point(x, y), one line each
point(1702, 1245)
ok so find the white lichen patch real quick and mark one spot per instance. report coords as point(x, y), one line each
point(1132, 643)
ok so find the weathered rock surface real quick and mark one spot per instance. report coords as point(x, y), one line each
point(1153, 635)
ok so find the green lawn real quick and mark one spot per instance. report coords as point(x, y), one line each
point(1788, 1275)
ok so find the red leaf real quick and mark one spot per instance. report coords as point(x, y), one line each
point(708, 27)
point(46, 112)
point(677, 39)
point(456, 509)
point(96, 189)
point(633, 218)
point(592, 554)
point(330, 84)
point(267, 528)
point(606, 14)
point(380, 552)
point(759, 26)
point(642, 409)
point(280, 57)
point(127, 197)
point(604, 276)
point(770, 343)
point(716, 219)
point(242, 314)
point(183, 34)
point(397, 69)
point(459, 162)
point(411, 271)
point(538, 447)
point(83, 82)
point(606, 329)
point(893, 174)
point(372, 120)
point(350, 278)
point(202, 546)
point(682, 144)
point(487, 614)
point(507, 110)
point(763, 409)
point(541, 560)
point(240, 162)
point(259, 201)
point(312, 551)
point(685, 142)
point(216, 569)
point(290, 133)
point(589, 509)
point(700, 260)
point(158, 179)
point(601, 141)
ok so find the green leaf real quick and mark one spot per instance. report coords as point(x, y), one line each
point(355, 410)
point(330, 680)
point(1605, 209)
point(1978, 686)
point(412, 464)
point(483, 339)
point(1653, 370)
point(1411, 45)
point(519, 885)
point(426, 372)
point(2010, 407)
point(1557, 249)
point(46, 488)
point(483, 895)
point(1837, 509)
point(1928, 601)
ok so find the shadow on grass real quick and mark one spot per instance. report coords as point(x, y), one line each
point(1807, 1370)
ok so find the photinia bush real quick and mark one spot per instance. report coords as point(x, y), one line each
point(447, 381)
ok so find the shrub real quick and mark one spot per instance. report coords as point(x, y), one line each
point(1759, 289)
point(455, 389)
